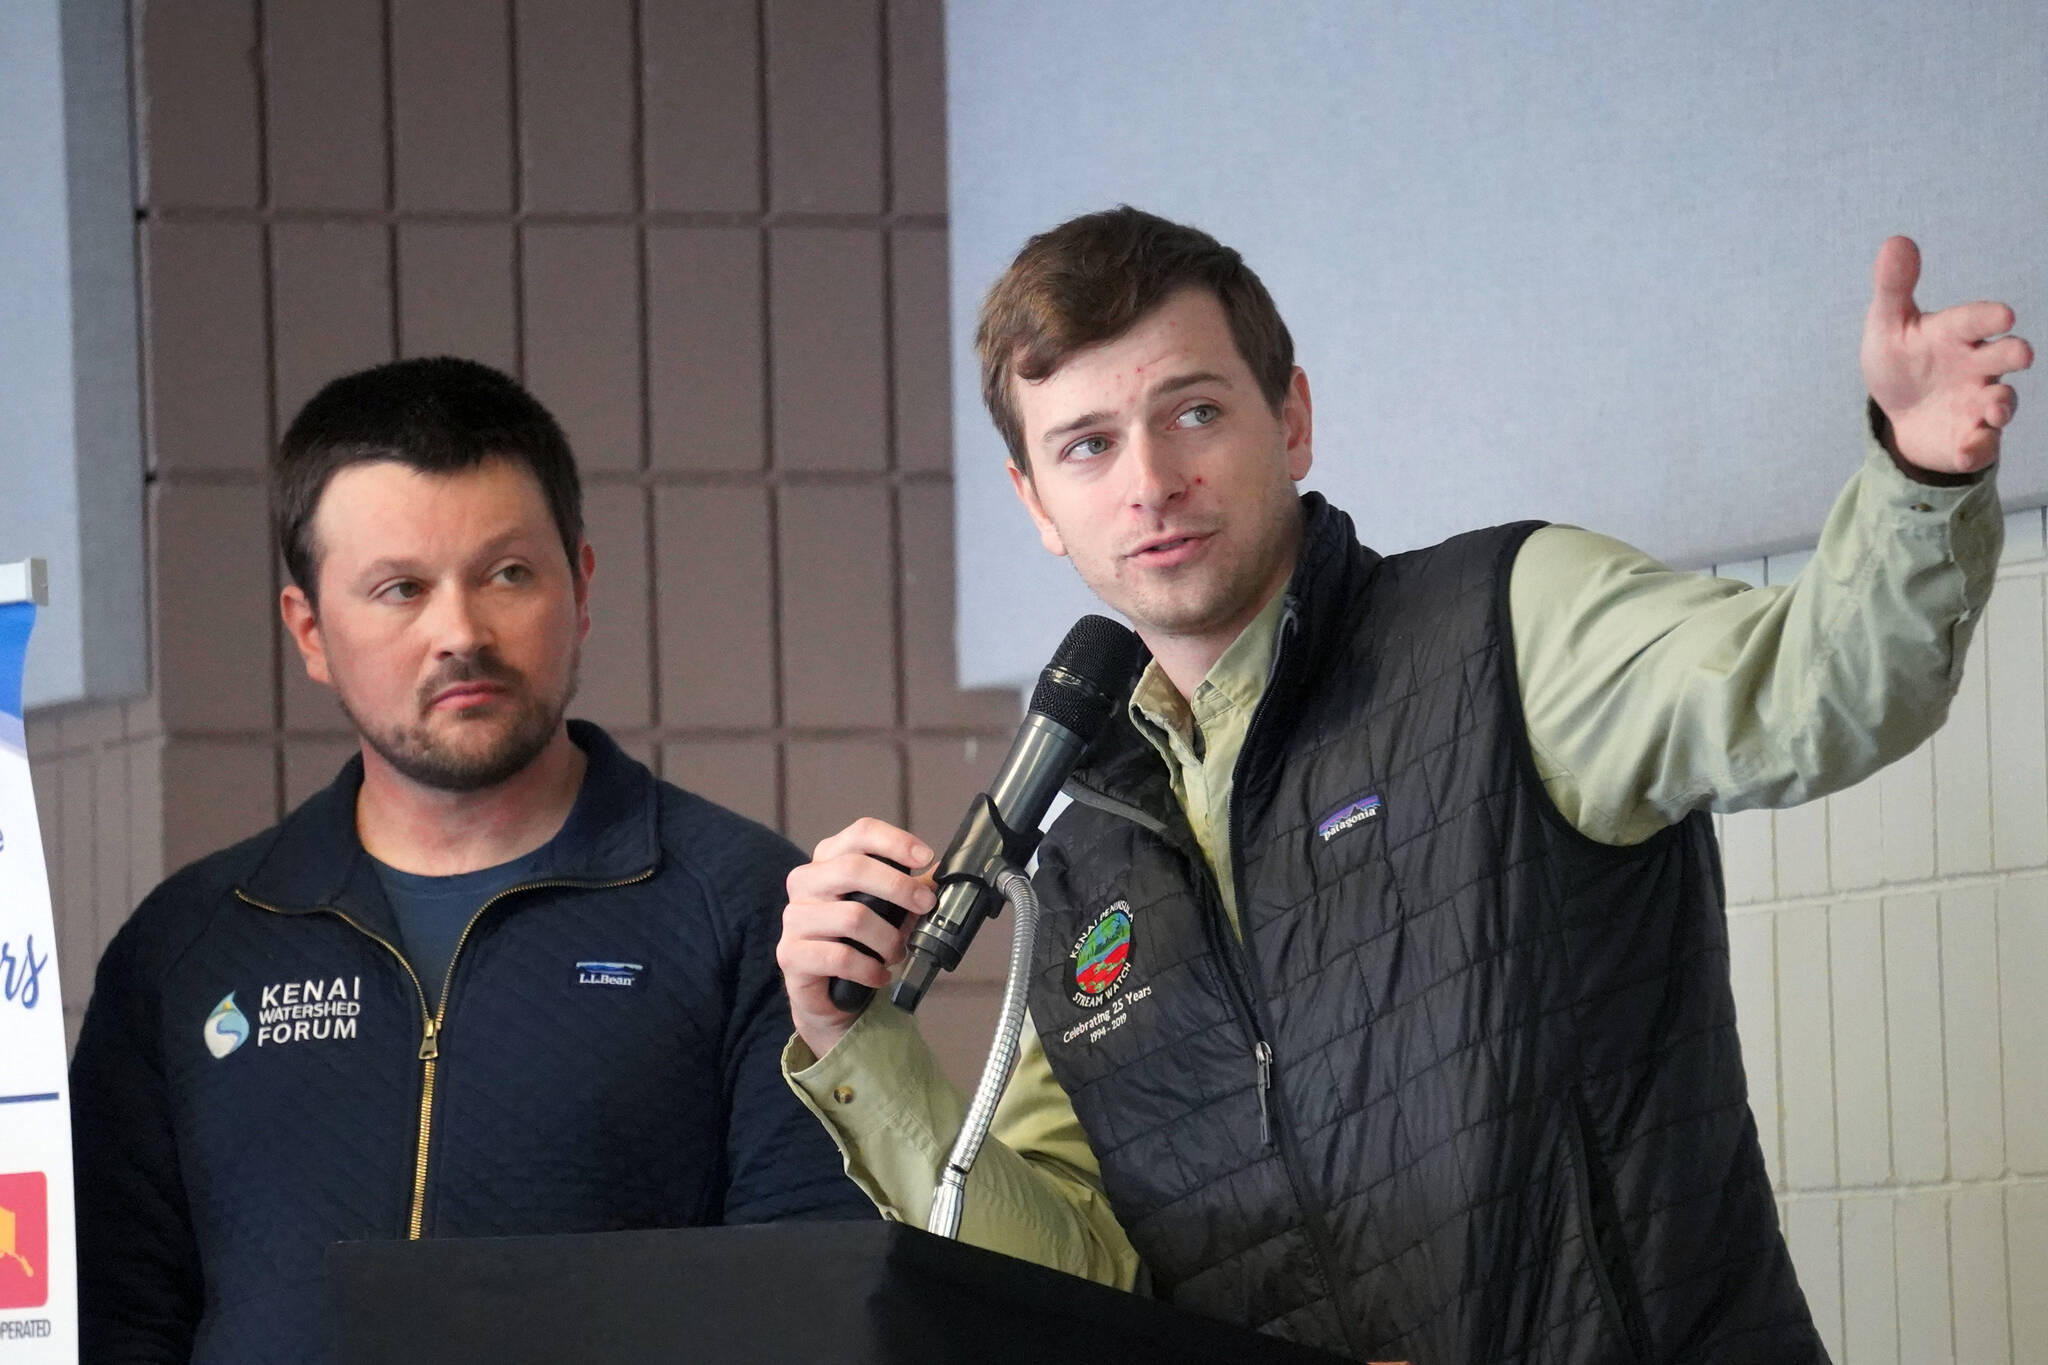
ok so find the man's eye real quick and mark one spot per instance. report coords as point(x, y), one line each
point(516, 574)
point(404, 590)
point(1087, 448)
point(1200, 415)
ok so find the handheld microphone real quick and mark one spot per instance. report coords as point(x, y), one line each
point(853, 996)
point(1076, 694)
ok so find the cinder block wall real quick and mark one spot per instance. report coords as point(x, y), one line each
point(1890, 950)
point(711, 237)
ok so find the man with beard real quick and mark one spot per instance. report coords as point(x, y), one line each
point(1382, 999)
point(495, 980)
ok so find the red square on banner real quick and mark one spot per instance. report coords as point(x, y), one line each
point(24, 1240)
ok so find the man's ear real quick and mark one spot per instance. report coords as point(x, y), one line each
point(1297, 417)
point(302, 623)
point(586, 565)
point(1027, 493)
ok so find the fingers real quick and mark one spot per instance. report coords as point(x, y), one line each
point(1892, 280)
point(878, 838)
point(1972, 322)
point(810, 956)
point(1994, 409)
point(2004, 355)
point(835, 878)
point(849, 861)
point(2000, 405)
point(835, 920)
point(815, 943)
point(820, 925)
point(1976, 450)
point(1937, 375)
point(819, 934)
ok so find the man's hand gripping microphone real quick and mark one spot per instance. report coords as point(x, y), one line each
point(1076, 695)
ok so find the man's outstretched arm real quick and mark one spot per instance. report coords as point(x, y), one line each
point(1649, 693)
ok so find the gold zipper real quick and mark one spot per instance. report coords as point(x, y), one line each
point(430, 1049)
point(433, 1021)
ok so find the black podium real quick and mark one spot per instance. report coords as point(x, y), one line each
point(782, 1294)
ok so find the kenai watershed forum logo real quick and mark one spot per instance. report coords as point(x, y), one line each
point(227, 1028)
point(310, 1011)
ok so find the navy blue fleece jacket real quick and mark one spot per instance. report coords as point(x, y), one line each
point(259, 1076)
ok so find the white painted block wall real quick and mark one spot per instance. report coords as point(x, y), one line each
point(1889, 947)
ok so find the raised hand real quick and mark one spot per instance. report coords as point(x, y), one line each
point(1938, 376)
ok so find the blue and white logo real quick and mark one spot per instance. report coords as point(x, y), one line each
point(227, 1028)
point(608, 973)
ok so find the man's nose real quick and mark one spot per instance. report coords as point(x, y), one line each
point(457, 622)
point(1155, 475)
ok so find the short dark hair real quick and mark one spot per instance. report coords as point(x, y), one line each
point(438, 415)
point(1090, 280)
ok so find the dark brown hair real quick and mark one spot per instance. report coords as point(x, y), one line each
point(1090, 280)
point(438, 416)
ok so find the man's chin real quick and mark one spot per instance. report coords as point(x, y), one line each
point(460, 774)
point(468, 762)
point(1174, 616)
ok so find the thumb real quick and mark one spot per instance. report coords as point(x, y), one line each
point(1892, 280)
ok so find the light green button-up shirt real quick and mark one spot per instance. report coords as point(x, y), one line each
point(1199, 738)
point(1647, 693)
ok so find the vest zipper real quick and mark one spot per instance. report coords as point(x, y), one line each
point(1240, 996)
point(433, 1021)
point(1241, 957)
point(1263, 1051)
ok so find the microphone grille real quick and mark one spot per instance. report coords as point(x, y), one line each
point(1086, 675)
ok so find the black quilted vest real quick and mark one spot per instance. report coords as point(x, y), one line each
point(1469, 1089)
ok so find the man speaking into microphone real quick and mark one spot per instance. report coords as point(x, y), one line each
point(1382, 999)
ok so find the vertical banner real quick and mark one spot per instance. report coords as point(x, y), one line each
point(38, 1286)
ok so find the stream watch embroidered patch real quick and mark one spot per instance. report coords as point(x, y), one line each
point(1102, 956)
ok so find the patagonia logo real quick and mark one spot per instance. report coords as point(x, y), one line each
point(608, 973)
point(1348, 816)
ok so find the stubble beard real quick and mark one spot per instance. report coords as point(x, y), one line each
point(418, 754)
point(1217, 596)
